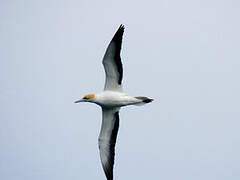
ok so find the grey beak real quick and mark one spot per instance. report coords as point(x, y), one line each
point(78, 101)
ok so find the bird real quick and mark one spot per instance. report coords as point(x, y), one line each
point(111, 100)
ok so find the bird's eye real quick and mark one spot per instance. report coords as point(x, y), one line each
point(85, 97)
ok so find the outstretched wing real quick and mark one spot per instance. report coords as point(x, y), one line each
point(107, 140)
point(112, 62)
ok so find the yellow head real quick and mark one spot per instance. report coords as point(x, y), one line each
point(87, 98)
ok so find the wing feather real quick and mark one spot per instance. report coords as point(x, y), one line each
point(112, 62)
point(107, 140)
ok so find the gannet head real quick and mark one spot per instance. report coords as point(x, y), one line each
point(87, 98)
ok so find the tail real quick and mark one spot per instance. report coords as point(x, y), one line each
point(144, 100)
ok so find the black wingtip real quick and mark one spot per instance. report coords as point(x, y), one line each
point(121, 27)
point(119, 33)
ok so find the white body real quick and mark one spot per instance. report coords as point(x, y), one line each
point(111, 99)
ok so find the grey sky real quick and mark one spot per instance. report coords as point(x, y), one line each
point(184, 54)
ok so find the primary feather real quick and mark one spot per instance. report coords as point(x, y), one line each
point(112, 62)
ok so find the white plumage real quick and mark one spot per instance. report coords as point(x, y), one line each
point(111, 100)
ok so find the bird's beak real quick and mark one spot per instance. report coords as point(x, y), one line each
point(78, 101)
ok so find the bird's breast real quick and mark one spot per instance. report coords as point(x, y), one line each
point(114, 99)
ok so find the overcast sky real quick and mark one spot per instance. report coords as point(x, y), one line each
point(183, 53)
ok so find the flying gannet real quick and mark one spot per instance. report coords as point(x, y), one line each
point(111, 100)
